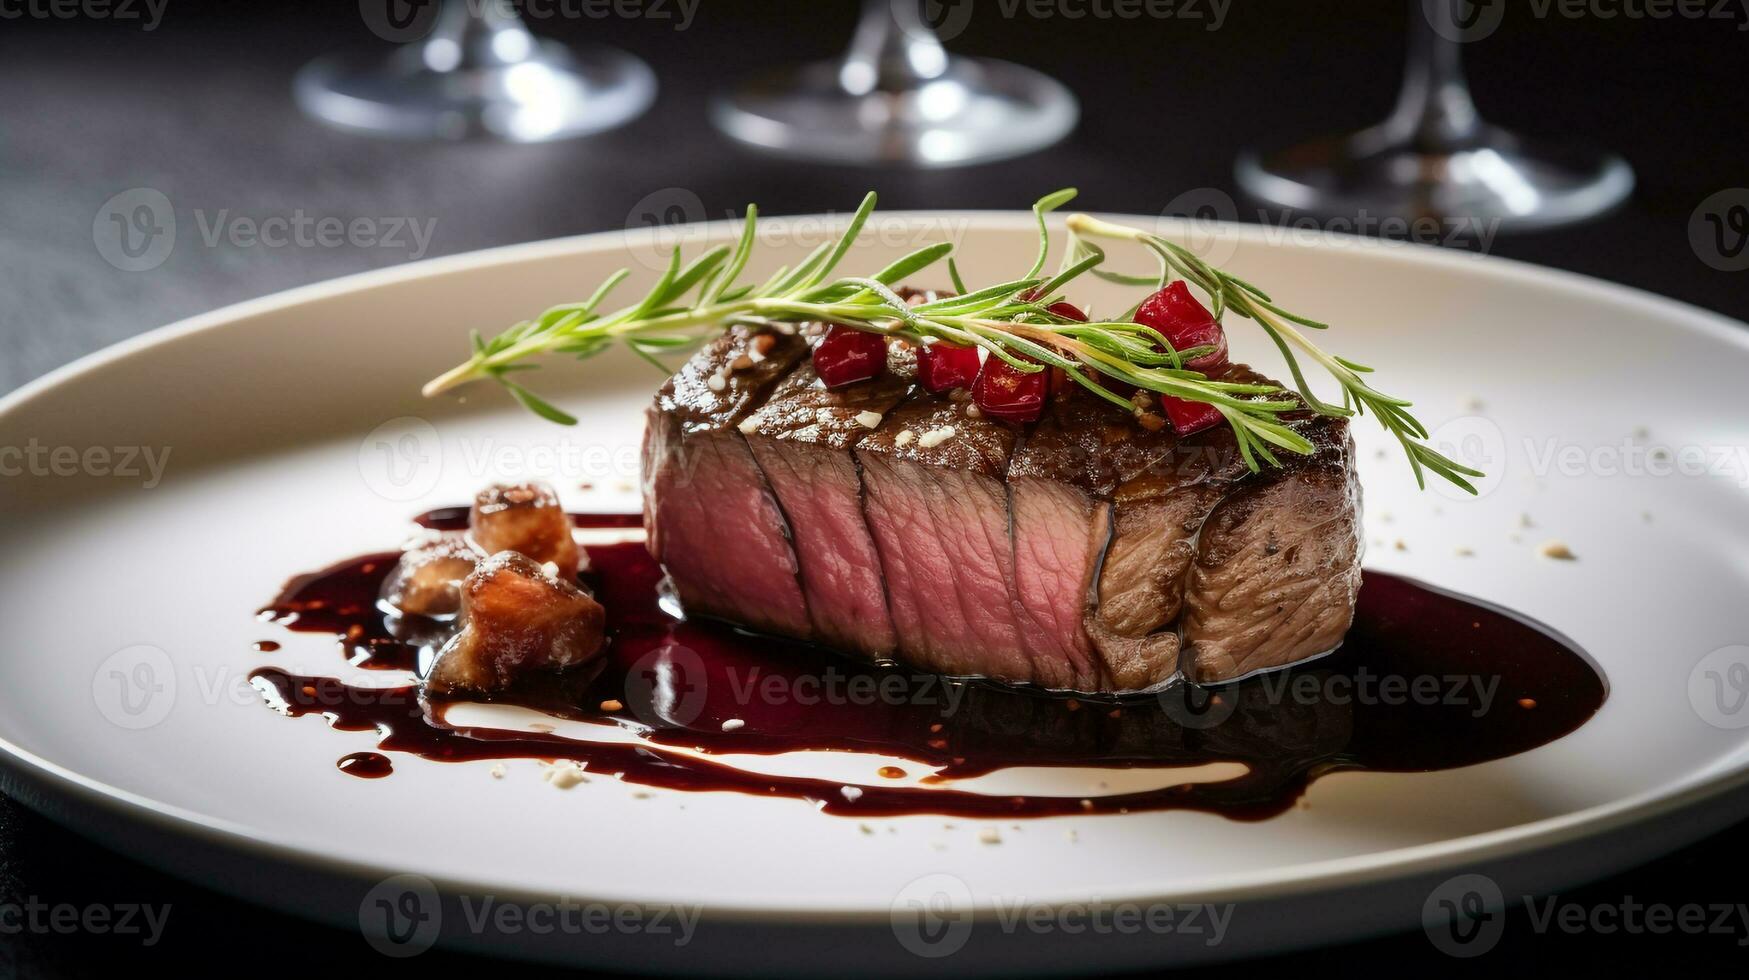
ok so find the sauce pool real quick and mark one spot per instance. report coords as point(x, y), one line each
point(1425, 681)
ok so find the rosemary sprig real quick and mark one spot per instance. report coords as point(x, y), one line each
point(1010, 320)
point(1229, 292)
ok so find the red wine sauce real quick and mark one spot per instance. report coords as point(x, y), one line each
point(1425, 681)
point(365, 765)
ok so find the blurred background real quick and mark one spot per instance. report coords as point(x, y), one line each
point(155, 164)
point(197, 105)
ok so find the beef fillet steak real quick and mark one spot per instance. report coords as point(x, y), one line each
point(1082, 553)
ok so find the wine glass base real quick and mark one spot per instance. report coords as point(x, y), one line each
point(975, 111)
point(555, 93)
point(1495, 178)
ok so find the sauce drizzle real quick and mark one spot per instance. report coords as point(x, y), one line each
point(1425, 681)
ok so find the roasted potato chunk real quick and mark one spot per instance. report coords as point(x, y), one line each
point(428, 579)
point(515, 620)
point(526, 518)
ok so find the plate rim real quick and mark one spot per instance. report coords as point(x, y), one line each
point(51, 780)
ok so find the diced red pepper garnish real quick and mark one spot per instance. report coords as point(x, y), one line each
point(1176, 315)
point(1190, 417)
point(1003, 392)
point(944, 367)
point(848, 355)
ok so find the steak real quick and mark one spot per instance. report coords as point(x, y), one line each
point(1277, 567)
point(802, 439)
point(936, 502)
point(713, 521)
point(1058, 495)
point(1082, 553)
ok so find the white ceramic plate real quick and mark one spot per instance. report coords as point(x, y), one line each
point(296, 436)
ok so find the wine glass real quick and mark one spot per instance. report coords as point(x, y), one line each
point(1434, 156)
point(897, 97)
point(472, 69)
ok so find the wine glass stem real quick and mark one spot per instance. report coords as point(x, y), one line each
point(894, 49)
point(1434, 110)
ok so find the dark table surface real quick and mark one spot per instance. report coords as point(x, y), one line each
point(198, 108)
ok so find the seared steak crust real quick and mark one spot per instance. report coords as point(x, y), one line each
point(1277, 567)
point(1086, 553)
